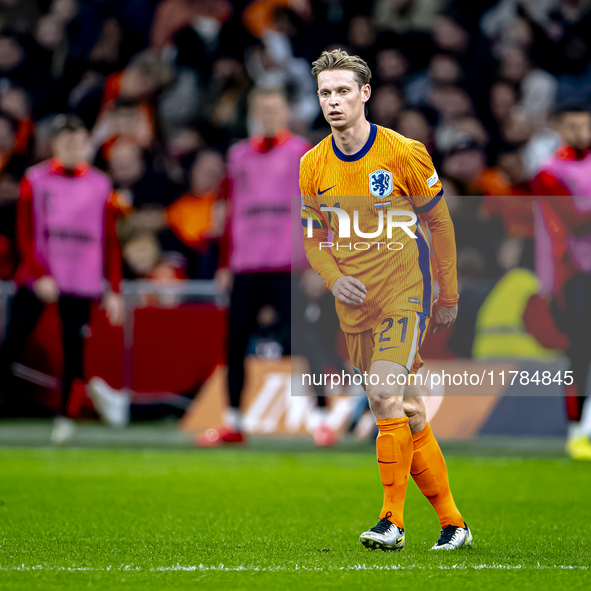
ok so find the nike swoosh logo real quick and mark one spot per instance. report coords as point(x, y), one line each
point(386, 348)
point(325, 190)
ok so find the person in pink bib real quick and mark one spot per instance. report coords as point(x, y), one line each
point(562, 216)
point(69, 254)
point(258, 249)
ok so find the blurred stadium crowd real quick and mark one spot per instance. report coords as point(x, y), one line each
point(164, 87)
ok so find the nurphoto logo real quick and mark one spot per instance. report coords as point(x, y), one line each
point(317, 220)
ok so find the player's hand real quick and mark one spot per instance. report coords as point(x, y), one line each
point(312, 285)
point(224, 279)
point(113, 305)
point(443, 317)
point(46, 289)
point(349, 290)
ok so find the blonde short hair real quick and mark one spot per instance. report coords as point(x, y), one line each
point(337, 59)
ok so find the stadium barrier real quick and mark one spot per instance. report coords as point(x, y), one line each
point(172, 339)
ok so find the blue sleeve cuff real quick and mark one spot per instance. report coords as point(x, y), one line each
point(315, 225)
point(429, 206)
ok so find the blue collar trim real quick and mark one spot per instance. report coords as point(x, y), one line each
point(358, 155)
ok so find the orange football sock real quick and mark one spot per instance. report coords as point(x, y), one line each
point(430, 473)
point(394, 450)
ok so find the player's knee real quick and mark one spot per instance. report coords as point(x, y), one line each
point(414, 409)
point(375, 402)
point(416, 423)
point(383, 403)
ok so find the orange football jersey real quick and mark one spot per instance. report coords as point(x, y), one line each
point(389, 174)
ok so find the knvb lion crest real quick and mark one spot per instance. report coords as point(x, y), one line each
point(380, 183)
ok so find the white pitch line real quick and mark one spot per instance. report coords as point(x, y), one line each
point(296, 568)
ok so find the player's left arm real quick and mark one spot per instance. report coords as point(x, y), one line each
point(113, 299)
point(445, 307)
point(429, 202)
point(577, 222)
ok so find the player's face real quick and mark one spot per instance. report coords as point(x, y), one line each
point(270, 113)
point(71, 147)
point(341, 99)
point(576, 130)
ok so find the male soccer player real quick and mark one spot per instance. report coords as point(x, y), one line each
point(562, 243)
point(382, 283)
point(263, 176)
point(69, 254)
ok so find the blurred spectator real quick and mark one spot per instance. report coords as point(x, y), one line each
point(451, 102)
point(65, 10)
point(139, 82)
point(182, 147)
point(51, 39)
point(112, 50)
point(463, 162)
point(19, 15)
point(450, 35)
point(362, 36)
point(260, 16)
point(141, 256)
point(518, 128)
point(171, 16)
point(42, 140)
point(495, 20)
point(542, 144)
point(273, 64)
point(225, 101)
point(502, 99)
point(386, 106)
point(18, 64)
point(444, 70)
point(8, 127)
point(462, 128)
point(391, 66)
point(414, 125)
point(514, 322)
point(136, 180)
point(575, 130)
point(508, 193)
point(9, 180)
point(196, 220)
point(15, 102)
point(403, 16)
point(537, 87)
point(180, 101)
point(561, 44)
point(125, 122)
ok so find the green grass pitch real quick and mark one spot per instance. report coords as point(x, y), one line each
point(238, 519)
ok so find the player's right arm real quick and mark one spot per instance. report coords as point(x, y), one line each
point(44, 285)
point(346, 289)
